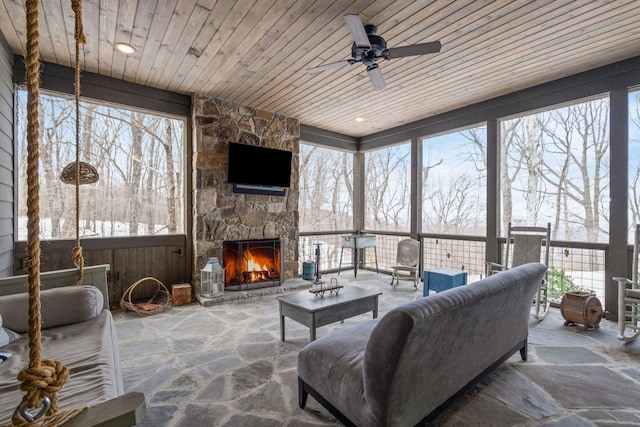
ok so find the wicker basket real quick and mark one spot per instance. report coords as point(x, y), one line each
point(159, 302)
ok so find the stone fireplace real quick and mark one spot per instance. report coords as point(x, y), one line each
point(220, 215)
point(251, 264)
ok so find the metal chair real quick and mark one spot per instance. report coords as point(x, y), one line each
point(629, 297)
point(525, 245)
point(407, 260)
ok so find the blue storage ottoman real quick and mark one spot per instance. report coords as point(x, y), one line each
point(441, 279)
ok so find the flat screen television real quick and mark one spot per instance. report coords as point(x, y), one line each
point(251, 165)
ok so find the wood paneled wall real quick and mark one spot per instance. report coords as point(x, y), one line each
point(6, 160)
point(129, 258)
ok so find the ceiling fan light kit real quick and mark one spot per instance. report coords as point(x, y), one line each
point(369, 48)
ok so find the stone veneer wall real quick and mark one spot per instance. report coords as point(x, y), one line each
point(220, 214)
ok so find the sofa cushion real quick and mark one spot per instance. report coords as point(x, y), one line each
point(332, 365)
point(59, 306)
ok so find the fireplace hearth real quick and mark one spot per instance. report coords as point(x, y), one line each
point(252, 264)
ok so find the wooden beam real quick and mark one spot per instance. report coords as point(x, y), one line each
point(124, 411)
point(61, 79)
point(617, 76)
point(327, 138)
point(617, 259)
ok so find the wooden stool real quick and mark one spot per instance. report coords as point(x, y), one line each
point(181, 294)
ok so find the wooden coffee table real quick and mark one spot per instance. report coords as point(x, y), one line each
point(314, 311)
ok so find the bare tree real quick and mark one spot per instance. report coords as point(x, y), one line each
point(134, 172)
point(52, 160)
point(325, 189)
point(509, 166)
point(532, 154)
point(88, 205)
point(584, 145)
point(454, 166)
point(312, 186)
point(428, 217)
point(451, 208)
point(524, 148)
point(341, 201)
point(387, 188)
point(477, 154)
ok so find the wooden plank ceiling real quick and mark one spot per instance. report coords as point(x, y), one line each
point(256, 52)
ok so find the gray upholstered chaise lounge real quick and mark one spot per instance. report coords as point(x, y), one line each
point(399, 369)
point(77, 330)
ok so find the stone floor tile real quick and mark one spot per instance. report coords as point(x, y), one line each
point(568, 355)
point(518, 392)
point(572, 420)
point(584, 386)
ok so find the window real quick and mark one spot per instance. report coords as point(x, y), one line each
point(634, 162)
point(139, 157)
point(387, 189)
point(554, 167)
point(454, 173)
point(326, 189)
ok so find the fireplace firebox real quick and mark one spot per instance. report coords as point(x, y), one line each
point(252, 264)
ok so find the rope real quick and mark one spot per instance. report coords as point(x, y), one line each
point(78, 259)
point(41, 379)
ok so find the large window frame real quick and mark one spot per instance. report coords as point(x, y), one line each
point(166, 257)
point(634, 162)
point(554, 168)
point(325, 188)
point(140, 154)
point(454, 182)
point(387, 188)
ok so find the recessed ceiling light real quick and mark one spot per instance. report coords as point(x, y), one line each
point(125, 48)
point(359, 119)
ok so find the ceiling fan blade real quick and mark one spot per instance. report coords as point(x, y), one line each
point(416, 49)
point(354, 23)
point(316, 70)
point(376, 77)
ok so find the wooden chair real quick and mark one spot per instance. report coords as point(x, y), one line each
point(524, 245)
point(629, 297)
point(407, 262)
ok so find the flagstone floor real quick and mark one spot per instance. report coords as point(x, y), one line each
point(224, 365)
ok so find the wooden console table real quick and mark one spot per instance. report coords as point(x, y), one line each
point(314, 311)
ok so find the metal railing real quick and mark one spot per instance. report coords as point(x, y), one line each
point(573, 266)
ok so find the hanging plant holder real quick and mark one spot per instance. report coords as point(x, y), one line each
point(88, 174)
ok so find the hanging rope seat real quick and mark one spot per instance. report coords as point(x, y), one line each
point(42, 379)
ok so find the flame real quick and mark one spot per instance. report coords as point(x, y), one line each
point(254, 265)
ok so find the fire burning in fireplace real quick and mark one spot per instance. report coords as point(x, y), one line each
point(257, 270)
point(251, 263)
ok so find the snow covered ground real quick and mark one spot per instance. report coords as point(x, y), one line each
point(102, 229)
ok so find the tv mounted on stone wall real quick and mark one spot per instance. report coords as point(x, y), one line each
point(258, 170)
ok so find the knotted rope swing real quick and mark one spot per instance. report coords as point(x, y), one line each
point(78, 172)
point(41, 379)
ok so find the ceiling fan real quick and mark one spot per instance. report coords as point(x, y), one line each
point(369, 48)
